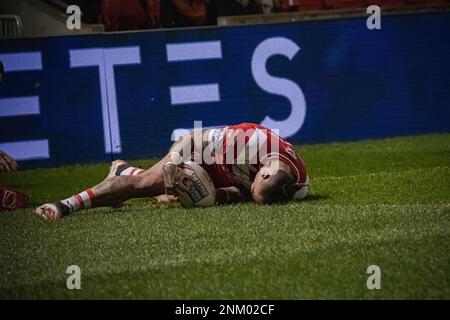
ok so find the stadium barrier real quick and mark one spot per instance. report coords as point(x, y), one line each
point(81, 99)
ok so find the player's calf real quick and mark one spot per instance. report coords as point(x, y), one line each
point(107, 193)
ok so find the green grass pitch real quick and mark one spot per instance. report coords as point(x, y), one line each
point(383, 202)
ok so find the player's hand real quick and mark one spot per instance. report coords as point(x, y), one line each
point(182, 183)
point(164, 198)
point(7, 163)
point(175, 180)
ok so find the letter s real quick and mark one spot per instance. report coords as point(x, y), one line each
point(279, 86)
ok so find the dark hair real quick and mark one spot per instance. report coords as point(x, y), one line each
point(277, 188)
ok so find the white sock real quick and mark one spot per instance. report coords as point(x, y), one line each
point(131, 171)
point(79, 201)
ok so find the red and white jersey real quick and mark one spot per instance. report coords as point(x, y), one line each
point(240, 151)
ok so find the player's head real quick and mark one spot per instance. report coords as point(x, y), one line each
point(273, 183)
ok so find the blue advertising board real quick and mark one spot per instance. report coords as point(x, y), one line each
point(81, 99)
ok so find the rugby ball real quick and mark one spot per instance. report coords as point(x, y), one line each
point(200, 188)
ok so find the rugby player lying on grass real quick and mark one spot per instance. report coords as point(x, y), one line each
point(271, 173)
